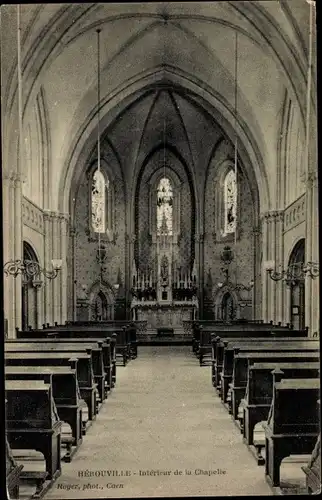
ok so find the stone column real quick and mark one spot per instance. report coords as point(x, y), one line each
point(55, 283)
point(72, 283)
point(200, 256)
point(273, 250)
point(272, 256)
point(8, 251)
point(48, 312)
point(265, 277)
point(63, 220)
point(315, 314)
point(256, 292)
point(37, 284)
point(129, 245)
point(279, 290)
point(312, 309)
point(287, 304)
point(18, 246)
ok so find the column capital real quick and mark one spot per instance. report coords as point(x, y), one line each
point(130, 237)
point(312, 178)
point(271, 215)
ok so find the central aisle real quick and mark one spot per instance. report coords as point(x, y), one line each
point(163, 415)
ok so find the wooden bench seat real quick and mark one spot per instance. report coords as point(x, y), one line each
point(240, 370)
point(85, 376)
point(13, 473)
point(106, 345)
point(259, 390)
point(66, 394)
point(123, 341)
point(292, 427)
point(219, 344)
point(313, 470)
point(77, 334)
point(93, 348)
point(216, 326)
point(239, 377)
point(33, 422)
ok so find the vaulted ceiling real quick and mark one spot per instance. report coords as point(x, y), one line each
point(164, 62)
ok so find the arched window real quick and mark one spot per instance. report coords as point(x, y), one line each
point(100, 186)
point(164, 207)
point(230, 202)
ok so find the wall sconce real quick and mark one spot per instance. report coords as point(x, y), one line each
point(294, 273)
point(312, 269)
point(30, 268)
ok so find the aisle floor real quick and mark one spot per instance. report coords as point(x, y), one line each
point(162, 421)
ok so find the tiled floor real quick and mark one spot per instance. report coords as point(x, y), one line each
point(164, 426)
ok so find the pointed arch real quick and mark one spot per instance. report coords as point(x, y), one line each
point(29, 301)
point(102, 299)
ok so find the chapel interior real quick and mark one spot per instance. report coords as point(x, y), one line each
point(160, 194)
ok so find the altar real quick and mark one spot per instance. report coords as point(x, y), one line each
point(164, 283)
point(163, 317)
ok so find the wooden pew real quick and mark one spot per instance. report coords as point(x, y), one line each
point(88, 335)
point(93, 348)
point(107, 349)
point(85, 375)
point(123, 345)
point(212, 325)
point(13, 473)
point(204, 347)
point(259, 391)
point(313, 470)
point(238, 383)
point(202, 338)
point(33, 423)
point(219, 344)
point(293, 422)
point(66, 395)
point(231, 350)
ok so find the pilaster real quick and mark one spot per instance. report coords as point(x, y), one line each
point(257, 292)
point(8, 190)
point(17, 225)
point(48, 293)
point(200, 259)
point(312, 307)
point(272, 303)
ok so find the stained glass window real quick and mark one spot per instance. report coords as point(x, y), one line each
point(230, 202)
point(99, 186)
point(164, 207)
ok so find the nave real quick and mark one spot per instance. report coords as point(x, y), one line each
point(158, 418)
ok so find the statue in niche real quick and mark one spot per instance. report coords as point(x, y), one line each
point(164, 270)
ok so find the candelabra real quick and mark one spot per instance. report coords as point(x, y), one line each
point(30, 268)
point(294, 273)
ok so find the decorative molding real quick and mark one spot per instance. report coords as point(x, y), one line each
point(295, 213)
point(32, 216)
point(272, 215)
point(312, 179)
